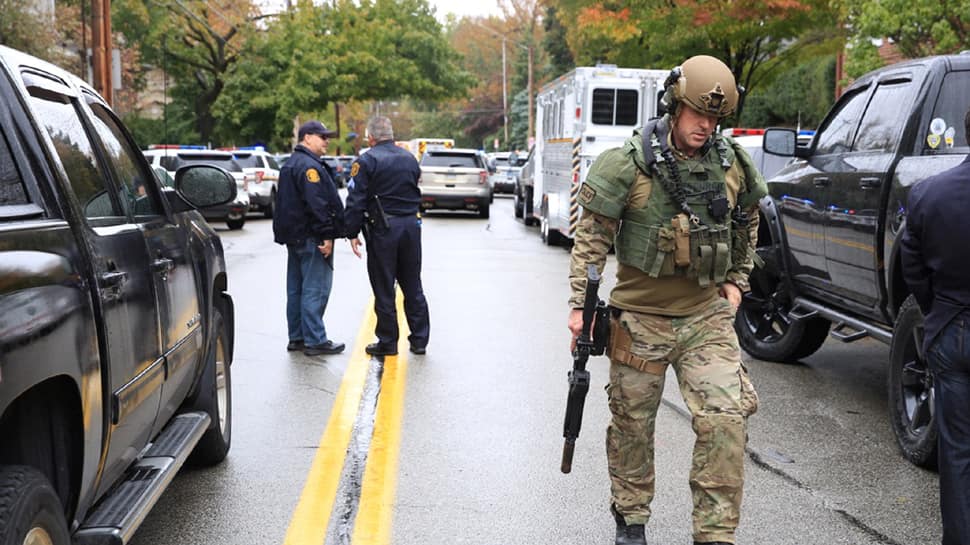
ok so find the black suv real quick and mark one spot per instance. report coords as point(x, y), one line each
point(830, 230)
point(115, 325)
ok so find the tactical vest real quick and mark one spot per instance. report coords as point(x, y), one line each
point(657, 237)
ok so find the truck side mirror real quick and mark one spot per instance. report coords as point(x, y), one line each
point(780, 142)
point(205, 185)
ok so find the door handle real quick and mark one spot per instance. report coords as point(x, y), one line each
point(113, 278)
point(163, 265)
point(822, 181)
point(870, 182)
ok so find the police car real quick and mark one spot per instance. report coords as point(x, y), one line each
point(173, 157)
point(752, 139)
point(262, 173)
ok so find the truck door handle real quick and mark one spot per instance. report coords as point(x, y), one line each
point(163, 265)
point(821, 181)
point(113, 278)
point(870, 182)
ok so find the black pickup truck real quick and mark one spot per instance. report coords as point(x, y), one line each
point(830, 230)
point(115, 324)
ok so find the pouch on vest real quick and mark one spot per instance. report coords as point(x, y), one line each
point(681, 227)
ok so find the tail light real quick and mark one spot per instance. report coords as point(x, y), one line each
point(575, 177)
point(482, 177)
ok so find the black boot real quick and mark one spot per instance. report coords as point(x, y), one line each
point(628, 534)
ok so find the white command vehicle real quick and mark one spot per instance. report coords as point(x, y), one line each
point(578, 116)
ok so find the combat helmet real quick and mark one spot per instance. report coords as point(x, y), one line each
point(705, 84)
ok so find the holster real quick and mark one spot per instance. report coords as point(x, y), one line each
point(619, 351)
point(375, 218)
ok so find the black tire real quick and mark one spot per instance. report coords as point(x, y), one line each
point(527, 216)
point(215, 398)
point(763, 324)
point(910, 383)
point(549, 235)
point(236, 224)
point(518, 204)
point(30, 507)
point(270, 209)
point(483, 210)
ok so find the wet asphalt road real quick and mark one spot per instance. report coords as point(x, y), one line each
point(481, 429)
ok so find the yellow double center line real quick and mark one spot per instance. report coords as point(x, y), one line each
point(372, 525)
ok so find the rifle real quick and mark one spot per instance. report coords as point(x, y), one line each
point(591, 342)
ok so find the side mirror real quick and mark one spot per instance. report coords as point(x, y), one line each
point(780, 142)
point(205, 185)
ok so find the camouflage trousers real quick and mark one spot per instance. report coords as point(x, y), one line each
point(703, 350)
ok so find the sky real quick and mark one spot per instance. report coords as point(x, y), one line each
point(466, 7)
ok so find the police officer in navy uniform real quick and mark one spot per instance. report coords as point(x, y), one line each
point(384, 201)
point(936, 267)
point(308, 217)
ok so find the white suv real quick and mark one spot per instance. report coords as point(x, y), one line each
point(262, 175)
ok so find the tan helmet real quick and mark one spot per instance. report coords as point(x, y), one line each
point(705, 84)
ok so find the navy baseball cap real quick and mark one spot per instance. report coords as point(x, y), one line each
point(314, 127)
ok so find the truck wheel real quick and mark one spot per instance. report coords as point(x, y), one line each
point(763, 324)
point(517, 204)
point(483, 210)
point(215, 398)
point(30, 511)
point(270, 209)
point(527, 208)
point(236, 224)
point(548, 235)
point(911, 388)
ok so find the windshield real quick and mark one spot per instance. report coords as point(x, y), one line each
point(451, 160)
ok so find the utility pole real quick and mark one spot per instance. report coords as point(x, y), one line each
point(505, 96)
point(532, 119)
point(101, 47)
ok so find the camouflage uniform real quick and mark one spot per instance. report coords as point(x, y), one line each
point(670, 319)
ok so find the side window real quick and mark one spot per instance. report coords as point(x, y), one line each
point(837, 135)
point(615, 106)
point(59, 116)
point(137, 192)
point(883, 119)
point(951, 108)
point(12, 190)
point(272, 162)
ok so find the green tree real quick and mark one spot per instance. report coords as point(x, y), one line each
point(560, 57)
point(800, 96)
point(918, 29)
point(314, 56)
point(196, 41)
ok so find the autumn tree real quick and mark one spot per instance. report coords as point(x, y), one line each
point(753, 37)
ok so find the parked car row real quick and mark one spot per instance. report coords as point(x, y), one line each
point(172, 158)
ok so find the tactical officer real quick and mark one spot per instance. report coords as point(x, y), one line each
point(384, 201)
point(679, 201)
point(309, 216)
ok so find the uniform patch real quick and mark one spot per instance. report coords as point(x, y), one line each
point(354, 169)
point(312, 175)
point(586, 194)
